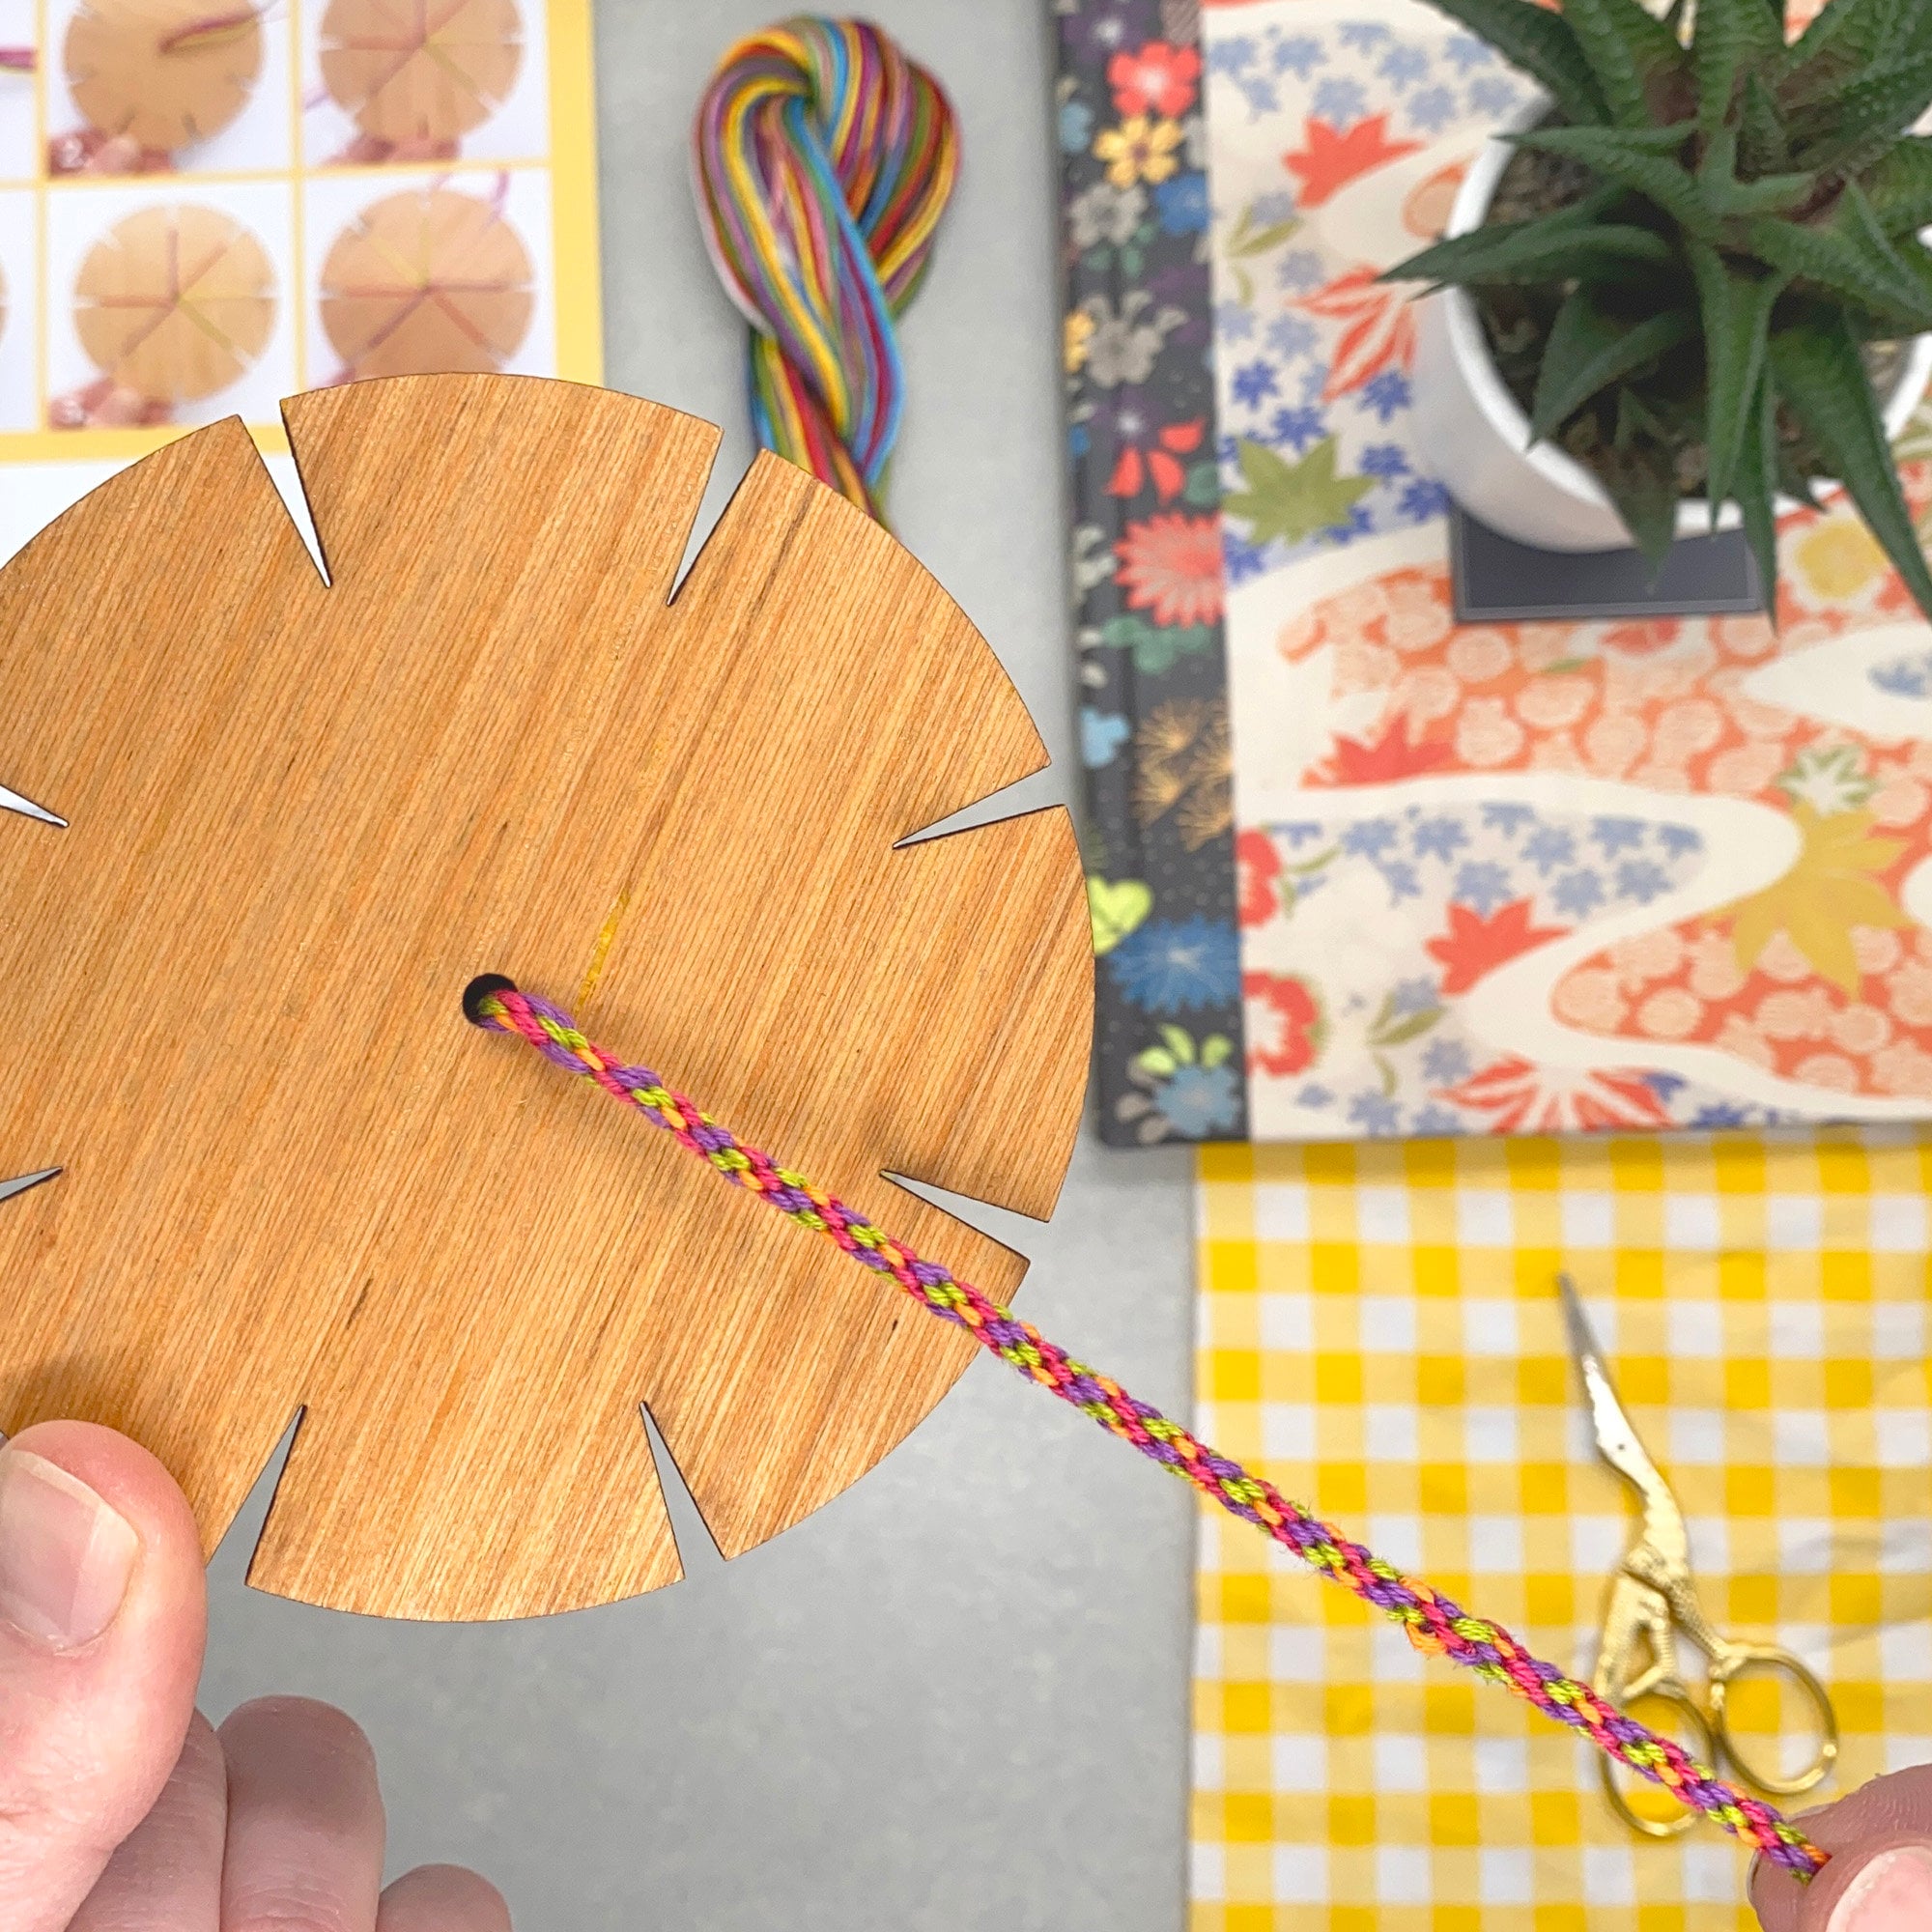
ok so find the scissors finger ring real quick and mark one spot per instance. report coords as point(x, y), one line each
point(1730, 1662)
point(1702, 1743)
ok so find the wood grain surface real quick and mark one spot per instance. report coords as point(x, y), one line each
point(303, 815)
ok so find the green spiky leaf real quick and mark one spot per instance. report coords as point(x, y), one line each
point(1589, 349)
point(1822, 377)
point(1846, 39)
point(1629, 159)
point(1852, 256)
point(1764, 143)
point(1668, 140)
point(1900, 185)
point(1794, 479)
point(1858, 124)
point(1756, 492)
point(1527, 252)
point(1607, 201)
point(1769, 194)
point(1732, 38)
point(1735, 310)
point(1636, 418)
point(1642, 482)
point(1916, 259)
point(1863, 30)
point(1537, 42)
point(1760, 200)
point(1728, 198)
point(1639, 64)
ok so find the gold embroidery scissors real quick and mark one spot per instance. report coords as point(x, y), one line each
point(1651, 1598)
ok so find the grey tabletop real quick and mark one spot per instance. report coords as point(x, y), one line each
point(956, 1697)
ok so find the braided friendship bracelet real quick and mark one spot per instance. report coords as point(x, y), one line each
point(1433, 1624)
point(822, 159)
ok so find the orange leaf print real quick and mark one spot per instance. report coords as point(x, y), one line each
point(1380, 331)
point(1475, 946)
point(1392, 755)
point(1332, 158)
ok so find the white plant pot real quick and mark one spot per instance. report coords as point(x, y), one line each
point(1472, 435)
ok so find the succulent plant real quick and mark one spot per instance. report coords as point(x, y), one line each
point(1732, 225)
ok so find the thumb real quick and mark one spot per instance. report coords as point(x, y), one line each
point(1880, 1874)
point(102, 1614)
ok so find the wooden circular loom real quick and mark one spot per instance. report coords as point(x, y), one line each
point(175, 303)
point(301, 816)
point(426, 282)
point(163, 74)
point(421, 74)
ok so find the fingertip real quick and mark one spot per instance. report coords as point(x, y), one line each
point(201, 1757)
point(318, 1743)
point(443, 1898)
point(1888, 1814)
point(1773, 1894)
point(123, 1474)
point(168, 1870)
point(102, 1620)
point(296, 1755)
point(166, 1599)
point(305, 1829)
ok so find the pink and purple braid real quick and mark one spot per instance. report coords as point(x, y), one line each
point(1433, 1624)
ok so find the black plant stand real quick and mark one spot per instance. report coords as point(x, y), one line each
point(1500, 581)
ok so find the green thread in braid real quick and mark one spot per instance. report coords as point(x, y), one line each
point(1434, 1626)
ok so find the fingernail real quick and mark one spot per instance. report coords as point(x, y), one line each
point(66, 1558)
point(1894, 1893)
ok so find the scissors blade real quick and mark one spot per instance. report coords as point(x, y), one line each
point(1617, 1439)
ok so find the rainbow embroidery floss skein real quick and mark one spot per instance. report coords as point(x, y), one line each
point(822, 159)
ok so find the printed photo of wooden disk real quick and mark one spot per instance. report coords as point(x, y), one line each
point(428, 282)
point(420, 72)
point(175, 303)
point(163, 74)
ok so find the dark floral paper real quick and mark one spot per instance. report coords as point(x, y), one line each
point(1146, 566)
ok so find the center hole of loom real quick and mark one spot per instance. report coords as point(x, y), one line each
point(479, 989)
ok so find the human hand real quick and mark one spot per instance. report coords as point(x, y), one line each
point(105, 404)
point(1879, 1876)
point(89, 152)
point(121, 1809)
point(371, 150)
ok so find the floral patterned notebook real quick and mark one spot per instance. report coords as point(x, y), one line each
point(1670, 872)
point(1146, 569)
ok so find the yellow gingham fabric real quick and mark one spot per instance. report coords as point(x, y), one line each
point(1379, 1332)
